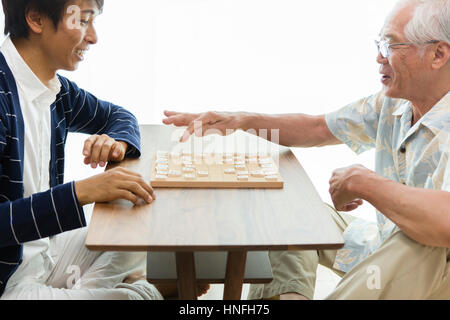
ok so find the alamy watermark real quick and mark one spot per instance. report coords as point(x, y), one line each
point(74, 280)
point(217, 143)
point(74, 20)
point(374, 280)
point(78, 19)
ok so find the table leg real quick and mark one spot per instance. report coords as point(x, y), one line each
point(187, 282)
point(234, 277)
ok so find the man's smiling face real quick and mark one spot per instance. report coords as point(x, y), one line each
point(65, 47)
point(404, 70)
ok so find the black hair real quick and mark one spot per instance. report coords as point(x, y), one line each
point(15, 14)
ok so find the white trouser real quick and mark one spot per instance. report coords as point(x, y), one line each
point(80, 274)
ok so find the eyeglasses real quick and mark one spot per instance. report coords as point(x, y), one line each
point(385, 48)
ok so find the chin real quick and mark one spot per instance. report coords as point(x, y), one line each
point(391, 92)
point(71, 67)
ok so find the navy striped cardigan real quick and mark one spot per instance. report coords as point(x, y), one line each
point(57, 210)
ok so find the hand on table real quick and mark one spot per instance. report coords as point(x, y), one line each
point(202, 123)
point(114, 184)
point(99, 150)
point(344, 195)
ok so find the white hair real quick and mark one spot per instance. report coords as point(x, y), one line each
point(430, 21)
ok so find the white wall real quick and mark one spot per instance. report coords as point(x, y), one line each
point(270, 56)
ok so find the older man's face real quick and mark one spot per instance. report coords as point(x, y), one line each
point(404, 72)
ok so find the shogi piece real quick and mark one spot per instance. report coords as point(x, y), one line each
point(214, 170)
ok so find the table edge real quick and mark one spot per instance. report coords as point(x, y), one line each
point(146, 248)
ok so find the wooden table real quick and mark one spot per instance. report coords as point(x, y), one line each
point(185, 221)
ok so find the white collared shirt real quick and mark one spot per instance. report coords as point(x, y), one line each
point(35, 99)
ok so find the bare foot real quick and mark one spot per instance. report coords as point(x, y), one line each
point(203, 289)
point(292, 296)
point(170, 291)
point(132, 278)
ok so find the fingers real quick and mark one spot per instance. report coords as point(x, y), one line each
point(179, 119)
point(117, 152)
point(352, 205)
point(148, 189)
point(92, 150)
point(127, 171)
point(195, 123)
point(104, 152)
point(138, 190)
point(187, 133)
point(134, 183)
point(128, 195)
point(348, 207)
point(168, 113)
point(88, 146)
point(199, 125)
point(114, 184)
point(99, 150)
point(96, 151)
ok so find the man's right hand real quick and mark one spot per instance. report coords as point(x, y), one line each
point(114, 184)
point(204, 123)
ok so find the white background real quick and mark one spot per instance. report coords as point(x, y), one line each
point(269, 56)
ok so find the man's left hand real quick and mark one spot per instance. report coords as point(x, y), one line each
point(99, 150)
point(343, 190)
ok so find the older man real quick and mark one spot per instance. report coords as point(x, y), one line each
point(406, 255)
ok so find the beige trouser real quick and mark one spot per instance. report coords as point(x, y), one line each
point(400, 269)
point(80, 274)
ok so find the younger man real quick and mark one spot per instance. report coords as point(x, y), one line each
point(38, 108)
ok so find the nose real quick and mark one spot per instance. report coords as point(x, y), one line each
point(91, 35)
point(381, 59)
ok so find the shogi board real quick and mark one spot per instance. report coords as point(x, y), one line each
point(217, 178)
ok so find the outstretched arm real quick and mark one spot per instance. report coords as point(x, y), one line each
point(295, 130)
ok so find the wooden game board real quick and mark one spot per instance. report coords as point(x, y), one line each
point(176, 170)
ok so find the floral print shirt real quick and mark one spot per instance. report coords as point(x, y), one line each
point(413, 155)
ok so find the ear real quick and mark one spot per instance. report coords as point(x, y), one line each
point(441, 55)
point(35, 21)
